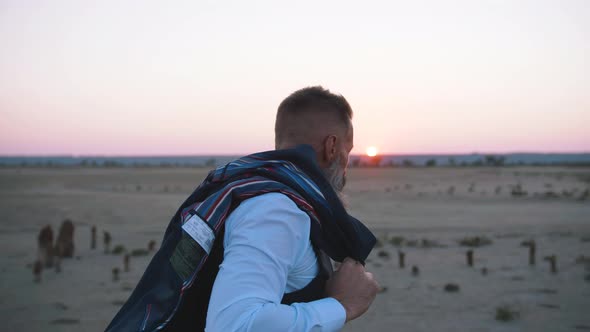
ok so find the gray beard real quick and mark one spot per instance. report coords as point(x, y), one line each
point(337, 180)
point(335, 176)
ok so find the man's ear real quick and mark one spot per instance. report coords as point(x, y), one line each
point(330, 149)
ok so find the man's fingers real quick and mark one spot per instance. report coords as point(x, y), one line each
point(354, 287)
point(372, 280)
point(349, 264)
point(348, 260)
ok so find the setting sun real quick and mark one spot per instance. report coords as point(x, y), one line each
point(371, 151)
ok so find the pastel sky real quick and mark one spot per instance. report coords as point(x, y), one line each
point(205, 77)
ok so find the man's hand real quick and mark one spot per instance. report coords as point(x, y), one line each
point(353, 287)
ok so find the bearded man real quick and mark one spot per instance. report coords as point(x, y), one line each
point(250, 249)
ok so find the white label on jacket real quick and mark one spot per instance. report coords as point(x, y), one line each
point(198, 229)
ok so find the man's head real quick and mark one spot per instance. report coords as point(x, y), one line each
point(317, 117)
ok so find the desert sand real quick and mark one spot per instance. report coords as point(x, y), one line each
point(423, 212)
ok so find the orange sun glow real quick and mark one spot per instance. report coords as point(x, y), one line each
point(372, 151)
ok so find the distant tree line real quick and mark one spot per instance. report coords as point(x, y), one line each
point(355, 162)
point(485, 161)
point(108, 163)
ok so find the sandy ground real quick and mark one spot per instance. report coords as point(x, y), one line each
point(414, 205)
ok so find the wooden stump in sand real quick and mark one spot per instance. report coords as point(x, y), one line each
point(152, 246)
point(451, 190)
point(498, 190)
point(93, 237)
point(126, 259)
point(116, 274)
point(106, 239)
point(402, 259)
point(45, 241)
point(532, 252)
point(415, 271)
point(65, 239)
point(37, 269)
point(469, 256)
point(552, 262)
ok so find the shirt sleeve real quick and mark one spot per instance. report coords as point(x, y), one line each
point(264, 237)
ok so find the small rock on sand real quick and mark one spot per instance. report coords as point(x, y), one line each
point(383, 254)
point(451, 288)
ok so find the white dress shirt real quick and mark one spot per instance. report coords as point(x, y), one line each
point(268, 253)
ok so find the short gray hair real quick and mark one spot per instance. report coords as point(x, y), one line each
point(313, 98)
